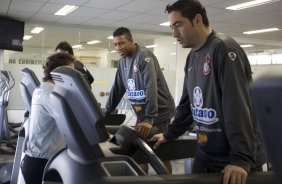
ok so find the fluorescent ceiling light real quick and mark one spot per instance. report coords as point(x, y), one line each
point(113, 51)
point(151, 46)
point(261, 31)
point(250, 4)
point(246, 46)
point(37, 30)
point(165, 24)
point(27, 37)
point(173, 53)
point(76, 46)
point(67, 9)
point(94, 42)
point(110, 37)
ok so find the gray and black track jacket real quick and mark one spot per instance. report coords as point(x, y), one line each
point(142, 78)
point(216, 99)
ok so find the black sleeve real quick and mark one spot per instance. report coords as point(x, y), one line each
point(236, 105)
point(116, 94)
point(81, 68)
point(183, 118)
point(89, 77)
point(149, 75)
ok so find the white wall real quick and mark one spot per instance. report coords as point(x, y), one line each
point(102, 54)
point(166, 46)
point(182, 54)
point(180, 60)
point(104, 78)
point(166, 60)
point(1, 59)
point(261, 70)
point(39, 55)
point(173, 69)
point(258, 71)
point(15, 100)
point(43, 53)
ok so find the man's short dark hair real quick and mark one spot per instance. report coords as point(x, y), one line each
point(123, 31)
point(65, 46)
point(54, 61)
point(189, 9)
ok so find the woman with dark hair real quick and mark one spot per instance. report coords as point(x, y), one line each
point(66, 48)
point(44, 139)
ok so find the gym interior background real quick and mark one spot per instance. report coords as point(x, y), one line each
point(97, 19)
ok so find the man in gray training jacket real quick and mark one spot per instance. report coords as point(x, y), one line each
point(215, 97)
point(140, 75)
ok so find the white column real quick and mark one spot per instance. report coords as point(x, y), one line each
point(1, 59)
point(181, 55)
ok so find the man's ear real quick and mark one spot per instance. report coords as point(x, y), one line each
point(198, 19)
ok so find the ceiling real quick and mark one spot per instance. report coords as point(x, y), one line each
point(96, 19)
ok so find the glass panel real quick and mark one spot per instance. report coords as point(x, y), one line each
point(100, 58)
